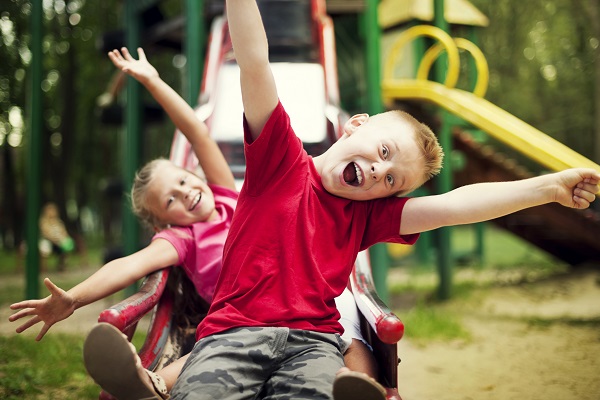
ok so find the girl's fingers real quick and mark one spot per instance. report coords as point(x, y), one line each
point(42, 332)
point(23, 313)
point(126, 54)
point(28, 324)
point(141, 54)
point(116, 59)
point(24, 304)
point(55, 290)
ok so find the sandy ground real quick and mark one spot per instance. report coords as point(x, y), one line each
point(528, 341)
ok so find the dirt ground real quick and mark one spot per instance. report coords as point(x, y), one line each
point(529, 341)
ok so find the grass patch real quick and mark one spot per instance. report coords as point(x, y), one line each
point(50, 369)
point(424, 323)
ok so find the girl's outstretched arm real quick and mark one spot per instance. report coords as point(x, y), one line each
point(112, 277)
point(574, 188)
point(209, 155)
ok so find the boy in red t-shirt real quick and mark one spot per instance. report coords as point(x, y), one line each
point(272, 330)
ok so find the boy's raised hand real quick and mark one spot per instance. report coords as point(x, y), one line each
point(577, 188)
point(140, 69)
point(56, 307)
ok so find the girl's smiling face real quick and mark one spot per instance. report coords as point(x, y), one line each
point(178, 197)
point(373, 159)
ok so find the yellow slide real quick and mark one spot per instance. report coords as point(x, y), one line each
point(491, 119)
point(471, 106)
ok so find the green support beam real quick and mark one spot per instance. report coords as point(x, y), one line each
point(32, 286)
point(194, 49)
point(132, 134)
point(380, 259)
point(444, 180)
point(373, 57)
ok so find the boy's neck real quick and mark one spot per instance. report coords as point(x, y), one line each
point(318, 163)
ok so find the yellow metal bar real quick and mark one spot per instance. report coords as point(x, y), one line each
point(483, 72)
point(435, 33)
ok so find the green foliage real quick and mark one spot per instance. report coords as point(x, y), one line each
point(79, 153)
point(543, 60)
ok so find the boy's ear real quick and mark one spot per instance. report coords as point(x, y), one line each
point(354, 122)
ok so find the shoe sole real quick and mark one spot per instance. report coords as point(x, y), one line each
point(352, 385)
point(111, 362)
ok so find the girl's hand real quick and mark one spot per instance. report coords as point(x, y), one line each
point(56, 307)
point(140, 69)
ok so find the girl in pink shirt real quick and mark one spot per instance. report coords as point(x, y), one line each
point(191, 217)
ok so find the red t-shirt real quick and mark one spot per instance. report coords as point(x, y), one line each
point(292, 245)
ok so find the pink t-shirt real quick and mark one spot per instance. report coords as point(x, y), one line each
point(292, 245)
point(200, 245)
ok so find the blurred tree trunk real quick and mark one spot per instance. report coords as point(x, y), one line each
point(594, 12)
point(64, 163)
point(9, 213)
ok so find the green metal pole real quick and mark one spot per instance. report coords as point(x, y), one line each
point(444, 180)
point(380, 260)
point(132, 135)
point(425, 245)
point(194, 49)
point(480, 227)
point(32, 287)
point(373, 56)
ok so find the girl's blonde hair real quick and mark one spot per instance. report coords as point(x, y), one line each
point(139, 194)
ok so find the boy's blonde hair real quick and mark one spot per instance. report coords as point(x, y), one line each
point(139, 194)
point(432, 152)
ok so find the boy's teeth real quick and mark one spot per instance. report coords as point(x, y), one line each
point(359, 176)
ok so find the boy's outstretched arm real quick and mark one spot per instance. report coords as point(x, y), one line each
point(209, 155)
point(575, 188)
point(112, 277)
point(259, 93)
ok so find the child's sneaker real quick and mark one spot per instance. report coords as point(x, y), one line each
point(114, 364)
point(352, 385)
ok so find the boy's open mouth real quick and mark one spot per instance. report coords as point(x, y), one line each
point(353, 175)
point(195, 201)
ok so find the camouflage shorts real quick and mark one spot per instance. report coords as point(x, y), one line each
point(261, 363)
